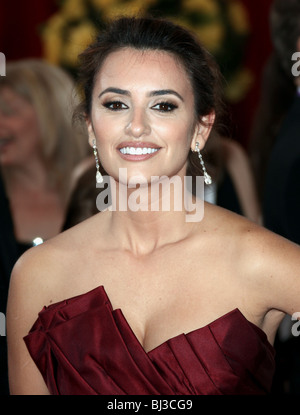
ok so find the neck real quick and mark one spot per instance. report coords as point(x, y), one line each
point(153, 215)
point(30, 177)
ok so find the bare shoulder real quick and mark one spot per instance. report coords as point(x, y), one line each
point(44, 272)
point(269, 264)
point(36, 272)
point(33, 282)
point(275, 265)
point(228, 223)
point(30, 289)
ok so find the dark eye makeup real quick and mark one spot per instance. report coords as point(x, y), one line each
point(161, 106)
point(115, 105)
point(165, 107)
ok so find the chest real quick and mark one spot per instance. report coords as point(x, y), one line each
point(217, 359)
point(166, 295)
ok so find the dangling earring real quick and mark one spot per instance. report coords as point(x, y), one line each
point(207, 178)
point(99, 177)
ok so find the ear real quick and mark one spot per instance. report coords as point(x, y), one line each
point(90, 130)
point(202, 130)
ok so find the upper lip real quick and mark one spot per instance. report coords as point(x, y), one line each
point(137, 144)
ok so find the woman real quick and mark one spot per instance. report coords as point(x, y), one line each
point(39, 149)
point(122, 287)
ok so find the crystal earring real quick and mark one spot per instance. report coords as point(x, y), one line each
point(99, 177)
point(207, 178)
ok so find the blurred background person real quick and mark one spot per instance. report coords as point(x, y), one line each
point(39, 149)
point(275, 153)
point(233, 185)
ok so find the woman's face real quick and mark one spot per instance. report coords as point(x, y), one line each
point(142, 115)
point(19, 129)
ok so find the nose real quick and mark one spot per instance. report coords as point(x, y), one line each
point(138, 124)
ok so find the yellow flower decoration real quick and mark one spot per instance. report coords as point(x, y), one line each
point(211, 36)
point(203, 6)
point(238, 17)
point(79, 38)
point(52, 39)
point(239, 85)
point(104, 4)
point(73, 9)
point(222, 27)
point(128, 8)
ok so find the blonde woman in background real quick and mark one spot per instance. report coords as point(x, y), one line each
point(38, 146)
point(38, 150)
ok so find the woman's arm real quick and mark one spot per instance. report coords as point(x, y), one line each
point(24, 302)
point(273, 267)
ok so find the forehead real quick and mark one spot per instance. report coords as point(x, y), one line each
point(144, 67)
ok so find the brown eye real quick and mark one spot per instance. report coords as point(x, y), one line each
point(115, 105)
point(164, 107)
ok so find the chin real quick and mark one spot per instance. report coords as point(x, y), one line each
point(6, 161)
point(132, 179)
point(9, 160)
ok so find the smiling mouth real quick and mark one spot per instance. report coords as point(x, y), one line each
point(137, 151)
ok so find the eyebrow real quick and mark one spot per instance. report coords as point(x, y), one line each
point(115, 90)
point(151, 94)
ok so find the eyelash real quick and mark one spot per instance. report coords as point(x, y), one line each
point(109, 104)
point(170, 107)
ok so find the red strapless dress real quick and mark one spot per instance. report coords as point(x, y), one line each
point(82, 346)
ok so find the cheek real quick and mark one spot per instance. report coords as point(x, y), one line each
point(178, 136)
point(27, 125)
point(105, 130)
point(33, 134)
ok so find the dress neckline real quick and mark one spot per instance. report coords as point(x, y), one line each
point(118, 311)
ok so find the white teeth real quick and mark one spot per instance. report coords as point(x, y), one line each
point(137, 150)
